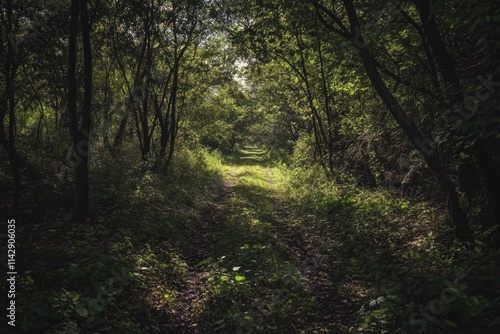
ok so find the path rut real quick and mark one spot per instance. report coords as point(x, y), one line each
point(331, 313)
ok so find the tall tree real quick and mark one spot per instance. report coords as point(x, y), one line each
point(80, 130)
point(11, 61)
point(484, 164)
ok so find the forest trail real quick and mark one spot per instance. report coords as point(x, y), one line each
point(251, 259)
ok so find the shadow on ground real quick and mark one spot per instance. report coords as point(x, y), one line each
point(257, 270)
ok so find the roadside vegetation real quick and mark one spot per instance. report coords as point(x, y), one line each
point(249, 245)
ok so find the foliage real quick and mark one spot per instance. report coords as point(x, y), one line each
point(131, 245)
point(413, 276)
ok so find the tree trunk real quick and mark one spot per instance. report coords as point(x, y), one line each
point(9, 146)
point(440, 55)
point(173, 115)
point(72, 100)
point(328, 111)
point(79, 136)
point(8, 103)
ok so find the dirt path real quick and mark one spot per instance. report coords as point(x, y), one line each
point(332, 311)
point(265, 274)
point(198, 249)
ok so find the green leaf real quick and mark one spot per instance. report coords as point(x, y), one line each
point(204, 262)
point(110, 281)
point(94, 305)
point(75, 296)
point(239, 278)
point(82, 311)
point(450, 323)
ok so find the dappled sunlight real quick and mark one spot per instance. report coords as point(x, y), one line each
point(253, 245)
point(248, 156)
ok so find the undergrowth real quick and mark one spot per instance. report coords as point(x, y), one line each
point(399, 255)
point(116, 272)
point(129, 268)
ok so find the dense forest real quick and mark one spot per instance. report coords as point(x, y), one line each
point(223, 166)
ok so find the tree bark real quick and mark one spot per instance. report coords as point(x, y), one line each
point(8, 103)
point(73, 101)
point(173, 115)
point(80, 135)
point(440, 55)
